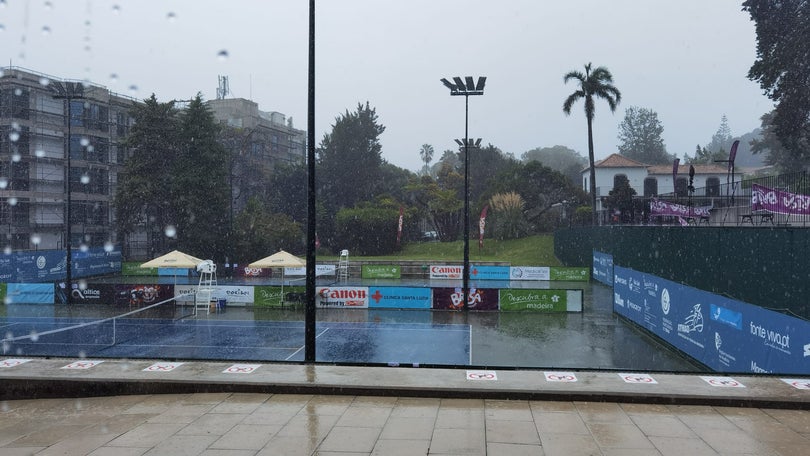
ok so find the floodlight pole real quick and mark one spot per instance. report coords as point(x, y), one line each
point(309, 320)
point(68, 91)
point(466, 87)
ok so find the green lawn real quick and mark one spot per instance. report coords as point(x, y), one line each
point(530, 251)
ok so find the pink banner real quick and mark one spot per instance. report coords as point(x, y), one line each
point(778, 201)
point(399, 226)
point(481, 225)
point(660, 208)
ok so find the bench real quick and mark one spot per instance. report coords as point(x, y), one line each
point(750, 218)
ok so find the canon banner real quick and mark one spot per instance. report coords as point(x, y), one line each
point(445, 272)
point(663, 208)
point(778, 201)
point(353, 297)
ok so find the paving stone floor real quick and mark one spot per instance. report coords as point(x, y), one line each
point(282, 424)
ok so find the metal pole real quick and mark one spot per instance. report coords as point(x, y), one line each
point(68, 220)
point(309, 324)
point(466, 273)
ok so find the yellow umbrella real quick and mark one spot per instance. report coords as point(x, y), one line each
point(174, 259)
point(282, 260)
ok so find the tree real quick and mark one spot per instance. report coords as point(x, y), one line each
point(508, 221)
point(640, 135)
point(597, 83)
point(559, 158)
point(706, 156)
point(199, 188)
point(621, 199)
point(257, 230)
point(426, 152)
point(770, 145)
point(721, 141)
point(782, 68)
point(142, 196)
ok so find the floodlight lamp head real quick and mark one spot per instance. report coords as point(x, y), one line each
point(459, 142)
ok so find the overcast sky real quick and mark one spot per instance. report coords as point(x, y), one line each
point(687, 60)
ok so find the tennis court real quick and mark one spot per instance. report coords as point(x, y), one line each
point(183, 337)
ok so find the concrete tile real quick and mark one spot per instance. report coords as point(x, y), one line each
point(662, 426)
point(241, 403)
point(416, 408)
point(182, 413)
point(521, 432)
point(77, 444)
point(118, 451)
point(399, 428)
point(48, 435)
point(247, 437)
point(508, 410)
point(212, 424)
point(205, 398)
point(513, 449)
point(560, 423)
point(630, 452)
point(345, 439)
point(211, 452)
point(679, 446)
point(462, 403)
point(458, 441)
point(767, 429)
point(328, 405)
point(464, 418)
point(645, 409)
point(569, 445)
point(798, 420)
point(146, 435)
point(21, 451)
point(276, 413)
point(730, 441)
point(602, 412)
point(552, 406)
point(610, 435)
point(374, 401)
point(402, 447)
point(118, 424)
point(315, 427)
point(364, 416)
point(289, 446)
point(182, 445)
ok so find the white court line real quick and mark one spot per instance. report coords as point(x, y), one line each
point(469, 328)
point(303, 346)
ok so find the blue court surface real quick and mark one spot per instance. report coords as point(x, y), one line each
point(238, 340)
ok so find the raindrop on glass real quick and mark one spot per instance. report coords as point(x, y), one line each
point(16, 157)
point(116, 9)
point(39, 153)
point(133, 88)
point(34, 336)
point(85, 179)
point(171, 17)
point(222, 55)
point(7, 250)
point(12, 201)
point(14, 136)
point(2, 29)
point(108, 246)
point(9, 335)
point(78, 404)
point(84, 248)
point(84, 142)
point(3, 183)
point(18, 92)
point(90, 148)
point(113, 77)
point(171, 231)
point(82, 284)
point(44, 82)
point(35, 239)
point(46, 30)
point(4, 406)
point(82, 354)
point(48, 5)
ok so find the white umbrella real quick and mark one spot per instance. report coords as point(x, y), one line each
point(282, 260)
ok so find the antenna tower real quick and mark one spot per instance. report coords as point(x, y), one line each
point(223, 88)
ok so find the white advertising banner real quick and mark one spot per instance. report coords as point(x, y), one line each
point(445, 272)
point(355, 297)
point(320, 270)
point(231, 293)
point(530, 273)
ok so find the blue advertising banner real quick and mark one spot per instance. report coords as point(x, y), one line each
point(603, 268)
point(399, 298)
point(483, 272)
point(30, 293)
point(51, 265)
point(722, 333)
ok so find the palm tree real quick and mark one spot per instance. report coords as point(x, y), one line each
point(427, 155)
point(593, 83)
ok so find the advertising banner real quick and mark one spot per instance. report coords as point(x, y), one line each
point(142, 295)
point(134, 269)
point(380, 271)
point(569, 274)
point(29, 293)
point(722, 333)
point(453, 298)
point(533, 300)
point(86, 294)
point(664, 208)
point(446, 272)
point(96, 261)
point(603, 268)
point(234, 294)
point(354, 297)
point(178, 272)
point(270, 296)
point(482, 272)
point(245, 271)
point(778, 201)
point(41, 266)
point(400, 298)
point(530, 273)
point(320, 270)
